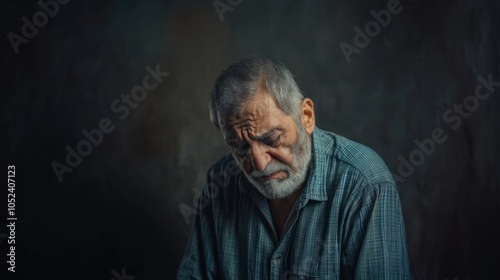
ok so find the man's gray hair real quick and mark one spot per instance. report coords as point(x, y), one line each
point(240, 81)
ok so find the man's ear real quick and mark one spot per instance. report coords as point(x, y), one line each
point(307, 115)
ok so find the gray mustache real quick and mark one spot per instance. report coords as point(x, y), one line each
point(272, 167)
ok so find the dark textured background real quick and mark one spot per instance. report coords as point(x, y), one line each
point(119, 207)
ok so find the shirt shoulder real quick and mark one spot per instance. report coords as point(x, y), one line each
point(355, 155)
point(221, 164)
point(225, 181)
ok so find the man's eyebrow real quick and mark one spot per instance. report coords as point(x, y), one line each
point(268, 134)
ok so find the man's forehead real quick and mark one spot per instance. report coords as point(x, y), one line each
point(259, 106)
point(253, 124)
point(258, 116)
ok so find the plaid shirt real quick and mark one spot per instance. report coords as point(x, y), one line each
point(346, 224)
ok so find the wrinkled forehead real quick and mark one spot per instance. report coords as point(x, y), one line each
point(260, 110)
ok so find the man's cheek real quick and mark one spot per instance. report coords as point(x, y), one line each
point(285, 156)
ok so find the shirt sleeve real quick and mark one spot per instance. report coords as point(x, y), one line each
point(374, 236)
point(200, 258)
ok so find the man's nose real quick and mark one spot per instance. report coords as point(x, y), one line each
point(259, 157)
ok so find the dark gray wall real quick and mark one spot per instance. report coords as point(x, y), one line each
point(119, 207)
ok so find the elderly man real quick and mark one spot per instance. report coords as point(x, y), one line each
point(296, 202)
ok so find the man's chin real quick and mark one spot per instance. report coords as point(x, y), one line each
point(278, 176)
point(268, 182)
point(271, 189)
point(273, 195)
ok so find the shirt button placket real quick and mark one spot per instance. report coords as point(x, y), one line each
point(276, 265)
point(277, 259)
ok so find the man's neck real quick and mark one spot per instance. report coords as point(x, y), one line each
point(281, 210)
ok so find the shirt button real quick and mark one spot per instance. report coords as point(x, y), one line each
point(278, 257)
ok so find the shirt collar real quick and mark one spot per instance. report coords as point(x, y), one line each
point(315, 188)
